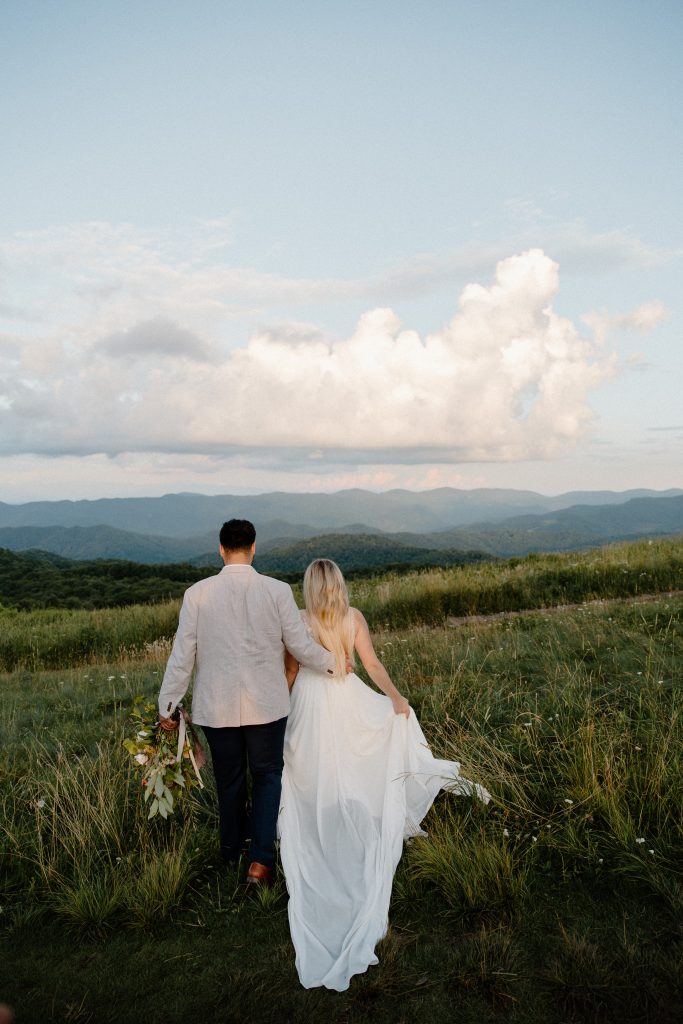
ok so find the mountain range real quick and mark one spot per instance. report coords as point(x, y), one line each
point(357, 528)
point(281, 514)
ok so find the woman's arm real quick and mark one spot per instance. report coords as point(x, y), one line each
point(291, 668)
point(374, 667)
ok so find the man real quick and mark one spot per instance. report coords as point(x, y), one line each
point(234, 629)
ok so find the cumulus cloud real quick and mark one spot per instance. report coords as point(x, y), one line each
point(506, 379)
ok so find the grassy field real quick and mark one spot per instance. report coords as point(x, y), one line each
point(561, 901)
point(58, 638)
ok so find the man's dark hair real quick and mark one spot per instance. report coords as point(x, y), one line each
point(237, 535)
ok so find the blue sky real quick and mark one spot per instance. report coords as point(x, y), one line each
point(201, 203)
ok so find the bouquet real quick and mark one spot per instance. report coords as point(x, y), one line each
point(168, 762)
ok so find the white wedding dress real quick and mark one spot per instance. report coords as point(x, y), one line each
point(357, 780)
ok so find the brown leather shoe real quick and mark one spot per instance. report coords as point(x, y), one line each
point(258, 874)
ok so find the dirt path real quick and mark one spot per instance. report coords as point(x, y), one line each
point(469, 620)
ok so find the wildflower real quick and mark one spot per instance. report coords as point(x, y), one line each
point(650, 851)
point(639, 748)
point(527, 724)
point(640, 840)
point(600, 861)
point(534, 839)
point(142, 734)
point(109, 678)
point(142, 759)
point(40, 804)
point(506, 833)
point(568, 801)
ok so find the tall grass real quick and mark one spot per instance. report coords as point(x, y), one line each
point(573, 721)
point(56, 638)
point(61, 639)
point(536, 581)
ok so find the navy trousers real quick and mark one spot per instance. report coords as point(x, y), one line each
point(233, 749)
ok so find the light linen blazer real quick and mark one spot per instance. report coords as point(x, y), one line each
point(233, 630)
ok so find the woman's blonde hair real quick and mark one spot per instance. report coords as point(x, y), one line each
point(328, 612)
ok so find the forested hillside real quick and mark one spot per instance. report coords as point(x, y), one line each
point(41, 580)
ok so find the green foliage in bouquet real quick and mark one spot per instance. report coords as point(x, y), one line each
point(165, 779)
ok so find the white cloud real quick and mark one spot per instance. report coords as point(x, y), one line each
point(644, 318)
point(640, 321)
point(116, 275)
point(507, 379)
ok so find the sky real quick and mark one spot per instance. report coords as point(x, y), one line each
point(306, 246)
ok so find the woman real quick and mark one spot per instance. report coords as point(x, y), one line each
point(358, 778)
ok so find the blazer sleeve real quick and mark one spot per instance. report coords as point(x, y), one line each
point(182, 659)
point(296, 638)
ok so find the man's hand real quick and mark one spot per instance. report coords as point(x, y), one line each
point(168, 724)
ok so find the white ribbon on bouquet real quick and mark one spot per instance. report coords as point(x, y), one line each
point(182, 735)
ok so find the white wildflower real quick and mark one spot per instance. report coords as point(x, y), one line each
point(640, 841)
point(534, 839)
point(600, 861)
point(568, 801)
point(142, 734)
point(141, 758)
point(110, 678)
point(650, 851)
point(506, 833)
point(40, 804)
